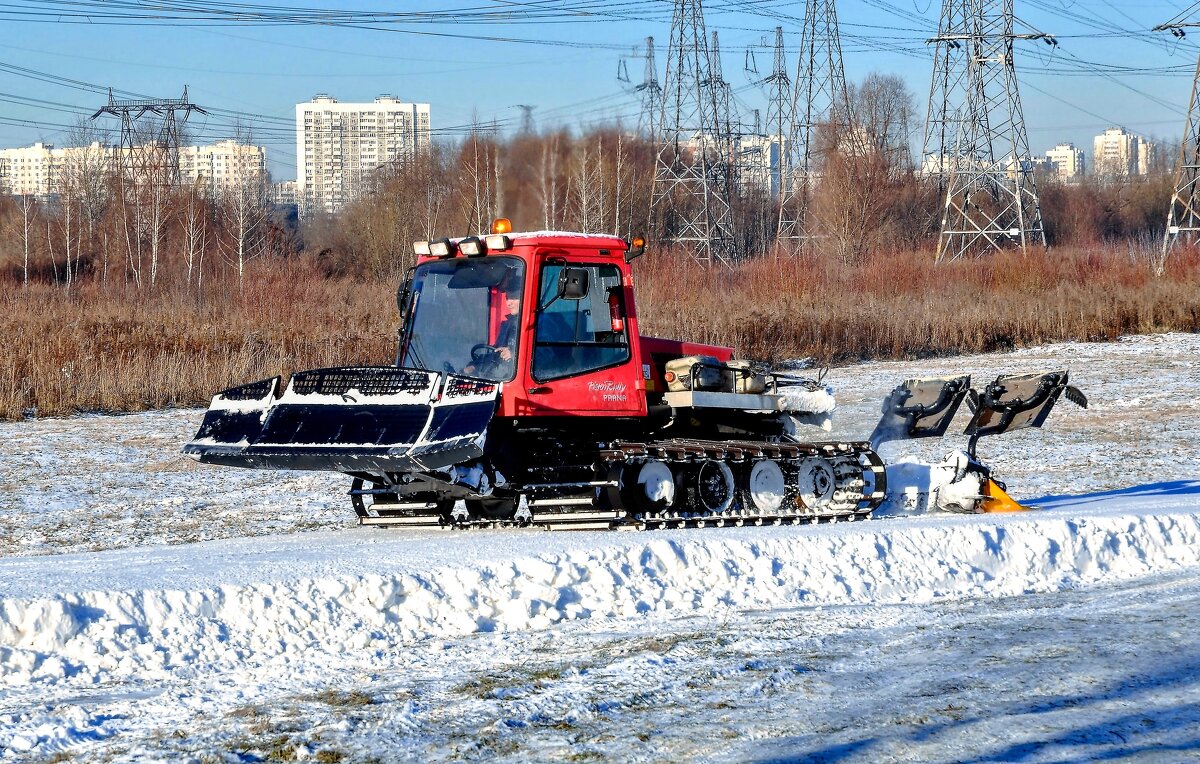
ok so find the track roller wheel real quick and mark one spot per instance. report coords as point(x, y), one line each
point(445, 511)
point(816, 484)
point(713, 487)
point(648, 487)
point(766, 488)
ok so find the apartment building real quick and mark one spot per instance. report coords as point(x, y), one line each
point(283, 194)
point(759, 160)
point(1066, 161)
point(31, 171)
point(40, 170)
point(1120, 154)
point(223, 165)
point(340, 145)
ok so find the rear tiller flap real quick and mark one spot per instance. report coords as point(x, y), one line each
point(362, 418)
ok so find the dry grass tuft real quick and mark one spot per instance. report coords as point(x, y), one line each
point(352, 699)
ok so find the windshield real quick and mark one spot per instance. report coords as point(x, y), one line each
point(465, 317)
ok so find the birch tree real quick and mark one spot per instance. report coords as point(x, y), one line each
point(243, 211)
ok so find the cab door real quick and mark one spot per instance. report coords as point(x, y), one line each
point(582, 356)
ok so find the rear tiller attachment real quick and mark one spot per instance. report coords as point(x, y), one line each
point(924, 408)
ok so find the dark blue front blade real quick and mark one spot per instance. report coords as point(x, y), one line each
point(353, 419)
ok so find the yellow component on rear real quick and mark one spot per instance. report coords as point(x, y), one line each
point(996, 500)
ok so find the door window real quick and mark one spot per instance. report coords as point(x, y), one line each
point(574, 336)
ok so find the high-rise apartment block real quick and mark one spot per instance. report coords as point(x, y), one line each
point(1121, 154)
point(340, 145)
point(1066, 161)
point(42, 170)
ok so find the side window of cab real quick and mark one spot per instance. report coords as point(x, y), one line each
point(580, 321)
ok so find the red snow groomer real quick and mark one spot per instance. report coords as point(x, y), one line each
point(523, 387)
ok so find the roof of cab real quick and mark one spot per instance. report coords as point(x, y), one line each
point(569, 239)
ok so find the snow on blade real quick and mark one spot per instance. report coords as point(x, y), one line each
point(92, 637)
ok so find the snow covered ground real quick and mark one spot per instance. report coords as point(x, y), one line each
point(1066, 634)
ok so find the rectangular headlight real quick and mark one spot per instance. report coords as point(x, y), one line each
point(421, 248)
point(498, 242)
point(441, 247)
point(471, 246)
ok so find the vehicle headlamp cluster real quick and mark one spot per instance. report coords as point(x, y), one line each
point(472, 246)
point(498, 241)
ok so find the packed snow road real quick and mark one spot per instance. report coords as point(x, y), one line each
point(1059, 635)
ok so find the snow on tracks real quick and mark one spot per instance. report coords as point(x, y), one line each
point(393, 590)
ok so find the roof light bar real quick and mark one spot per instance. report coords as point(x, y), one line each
point(421, 248)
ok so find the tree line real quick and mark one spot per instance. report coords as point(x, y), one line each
point(145, 232)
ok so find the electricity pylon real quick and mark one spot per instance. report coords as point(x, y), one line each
point(728, 166)
point(164, 145)
point(976, 118)
point(1183, 216)
point(820, 115)
point(651, 93)
point(779, 113)
point(689, 189)
point(947, 92)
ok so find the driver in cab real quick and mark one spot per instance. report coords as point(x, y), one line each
point(497, 361)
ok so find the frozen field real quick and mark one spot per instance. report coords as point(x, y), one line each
point(1065, 635)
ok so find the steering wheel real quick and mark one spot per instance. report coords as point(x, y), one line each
point(483, 353)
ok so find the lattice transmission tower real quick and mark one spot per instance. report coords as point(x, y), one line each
point(779, 113)
point(1183, 216)
point(157, 151)
point(652, 95)
point(975, 138)
point(820, 111)
point(947, 93)
point(729, 125)
point(690, 179)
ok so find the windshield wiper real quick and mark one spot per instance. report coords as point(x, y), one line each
point(416, 354)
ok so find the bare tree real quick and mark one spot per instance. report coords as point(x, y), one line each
point(28, 216)
point(549, 183)
point(195, 232)
point(618, 177)
point(587, 181)
point(863, 177)
point(243, 210)
point(882, 112)
point(84, 183)
point(479, 177)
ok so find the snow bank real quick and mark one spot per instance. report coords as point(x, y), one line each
point(96, 637)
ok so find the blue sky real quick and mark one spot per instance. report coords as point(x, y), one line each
point(1108, 68)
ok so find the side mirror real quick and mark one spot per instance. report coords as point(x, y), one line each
point(404, 290)
point(573, 283)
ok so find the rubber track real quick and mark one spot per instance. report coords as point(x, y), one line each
point(735, 453)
